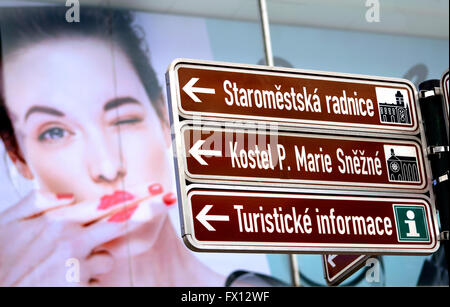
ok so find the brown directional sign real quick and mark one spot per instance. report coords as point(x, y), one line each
point(308, 223)
point(272, 159)
point(338, 267)
point(294, 97)
point(267, 158)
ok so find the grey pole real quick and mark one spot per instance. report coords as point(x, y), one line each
point(266, 32)
point(295, 276)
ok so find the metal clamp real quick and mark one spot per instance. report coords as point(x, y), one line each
point(444, 236)
point(441, 178)
point(436, 91)
point(432, 150)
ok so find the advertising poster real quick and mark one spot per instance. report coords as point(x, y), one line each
point(88, 194)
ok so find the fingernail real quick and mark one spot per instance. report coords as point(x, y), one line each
point(123, 215)
point(169, 199)
point(64, 196)
point(155, 189)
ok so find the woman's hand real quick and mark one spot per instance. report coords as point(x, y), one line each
point(49, 240)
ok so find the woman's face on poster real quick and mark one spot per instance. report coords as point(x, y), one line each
point(82, 118)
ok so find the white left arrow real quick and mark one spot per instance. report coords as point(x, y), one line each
point(197, 153)
point(190, 89)
point(204, 218)
point(330, 259)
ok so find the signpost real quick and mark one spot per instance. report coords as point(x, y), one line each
point(281, 159)
point(297, 98)
point(338, 267)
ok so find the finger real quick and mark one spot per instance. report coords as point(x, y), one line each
point(120, 224)
point(98, 263)
point(30, 256)
point(52, 251)
point(144, 211)
point(89, 212)
point(100, 233)
point(15, 248)
point(57, 269)
point(34, 205)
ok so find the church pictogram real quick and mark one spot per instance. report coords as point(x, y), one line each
point(402, 168)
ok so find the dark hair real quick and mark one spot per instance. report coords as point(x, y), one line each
point(20, 27)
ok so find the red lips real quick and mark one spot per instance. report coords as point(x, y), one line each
point(117, 197)
point(123, 215)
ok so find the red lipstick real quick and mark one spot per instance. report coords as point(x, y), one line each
point(108, 201)
point(123, 215)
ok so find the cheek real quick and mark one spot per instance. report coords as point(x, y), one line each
point(145, 156)
point(49, 166)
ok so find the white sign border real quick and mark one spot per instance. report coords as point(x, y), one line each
point(312, 248)
point(345, 272)
point(182, 186)
point(262, 181)
point(301, 74)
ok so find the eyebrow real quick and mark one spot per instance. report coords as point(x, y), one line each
point(43, 109)
point(117, 102)
point(111, 104)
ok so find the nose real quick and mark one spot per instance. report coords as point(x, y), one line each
point(105, 163)
point(108, 175)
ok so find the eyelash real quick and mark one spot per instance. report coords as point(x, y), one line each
point(130, 121)
point(46, 135)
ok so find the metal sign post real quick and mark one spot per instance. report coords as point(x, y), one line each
point(445, 98)
point(435, 117)
point(250, 139)
point(264, 17)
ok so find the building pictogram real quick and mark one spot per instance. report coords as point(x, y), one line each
point(402, 168)
point(397, 112)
